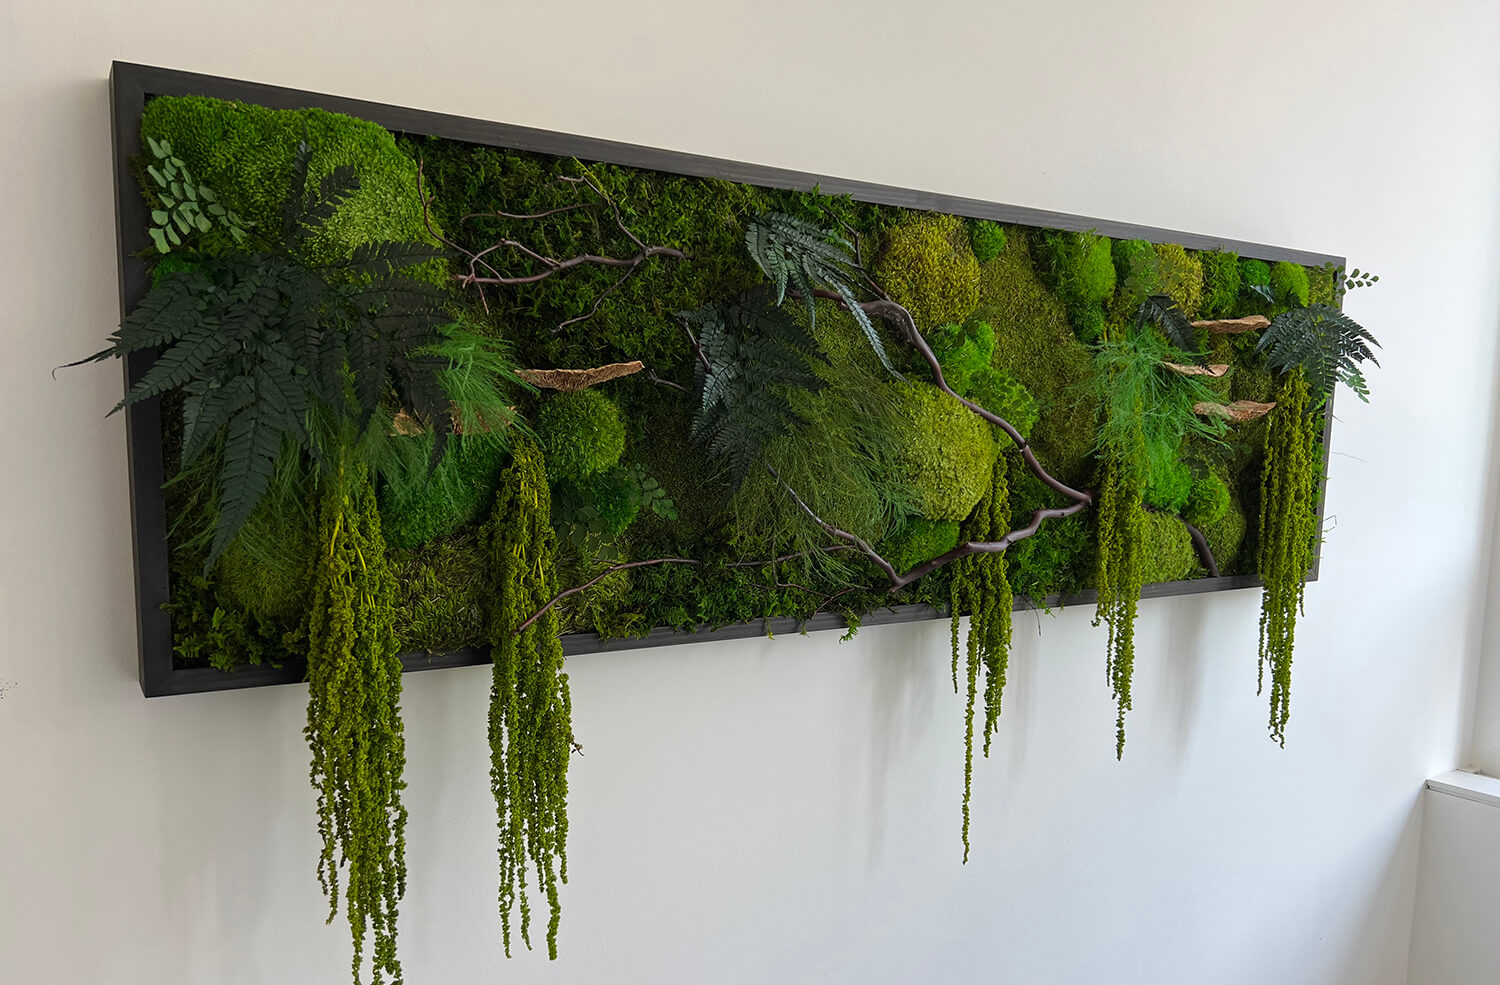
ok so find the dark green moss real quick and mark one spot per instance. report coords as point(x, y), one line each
point(1003, 395)
point(458, 492)
point(440, 603)
point(1137, 270)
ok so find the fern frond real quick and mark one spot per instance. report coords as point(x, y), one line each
point(1326, 344)
point(1160, 310)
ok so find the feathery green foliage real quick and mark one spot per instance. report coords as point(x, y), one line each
point(1169, 488)
point(797, 253)
point(580, 433)
point(981, 588)
point(753, 353)
point(1324, 344)
point(531, 730)
point(1288, 536)
point(266, 347)
point(928, 267)
point(354, 718)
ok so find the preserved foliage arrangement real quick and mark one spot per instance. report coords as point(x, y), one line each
point(420, 395)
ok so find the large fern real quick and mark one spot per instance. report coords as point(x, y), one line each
point(799, 254)
point(1326, 344)
point(752, 353)
point(263, 346)
point(1162, 311)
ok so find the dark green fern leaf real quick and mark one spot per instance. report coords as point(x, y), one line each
point(1160, 310)
point(1326, 344)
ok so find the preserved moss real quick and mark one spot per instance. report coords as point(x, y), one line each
point(1181, 277)
point(1080, 268)
point(942, 453)
point(1221, 283)
point(928, 266)
point(917, 540)
point(1289, 283)
point(580, 433)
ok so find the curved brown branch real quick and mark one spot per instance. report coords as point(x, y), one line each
point(483, 273)
point(1200, 544)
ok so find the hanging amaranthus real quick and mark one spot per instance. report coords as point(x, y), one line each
point(982, 589)
point(531, 732)
point(1288, 526)
point(354, 718)
point(1121, 543)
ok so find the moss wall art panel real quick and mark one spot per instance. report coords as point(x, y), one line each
point(406, 391)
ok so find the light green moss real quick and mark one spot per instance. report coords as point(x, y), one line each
point(1080, 268)
point(1221, 283)
point(962, 351)
point(919, 539)
point(1289, 283)
point(1181, 277)
point(987, 239)
point(1167, 550)
point(944, 453)
point(1208, 501)
point(928, 266)
point(245, 153)
point(1137, 270)
point(1003, 395)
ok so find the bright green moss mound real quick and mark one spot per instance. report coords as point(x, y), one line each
point(459, 491)
point(1168, 554)
point(1003, 395)
point(1289, 283)
point(1226, 538)
point(928, 266)
point(987, 239)
point(245, 153)
point(1137, 270)
point(962, 351)
point(1221, 283)
point(1208, 501)
point(919, 539)
point(580, 433)
point(1255, 273)
point(1035, 344)
point(1080, 267)
point(944, 453)
point(1169, 489)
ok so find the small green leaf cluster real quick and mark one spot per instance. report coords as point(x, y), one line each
point(580, 433)
point(186, 205)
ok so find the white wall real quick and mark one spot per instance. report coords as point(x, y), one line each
point(787, 811)
point(1453, 939)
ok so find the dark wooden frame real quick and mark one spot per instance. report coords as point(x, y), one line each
point(131, 85)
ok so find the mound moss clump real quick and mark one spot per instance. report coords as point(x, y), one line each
point(1080, 267)
point(580, 433)
point(1181, 277)
point(987, 239)
point(1003, 395)
point(919, 539)
point(943, 453)
point(245, 153)
point(928, 266)
point(1289, 283)
point(963, 351)
point(456, 493)
point(1168, 550)
point(1208, 501)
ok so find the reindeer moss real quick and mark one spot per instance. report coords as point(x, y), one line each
point(928, 265)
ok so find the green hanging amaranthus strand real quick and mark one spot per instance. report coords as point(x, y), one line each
point(354, 718)
point(1121, 542)
point(1288, 528)
point(531, 731)
point(981, 588)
